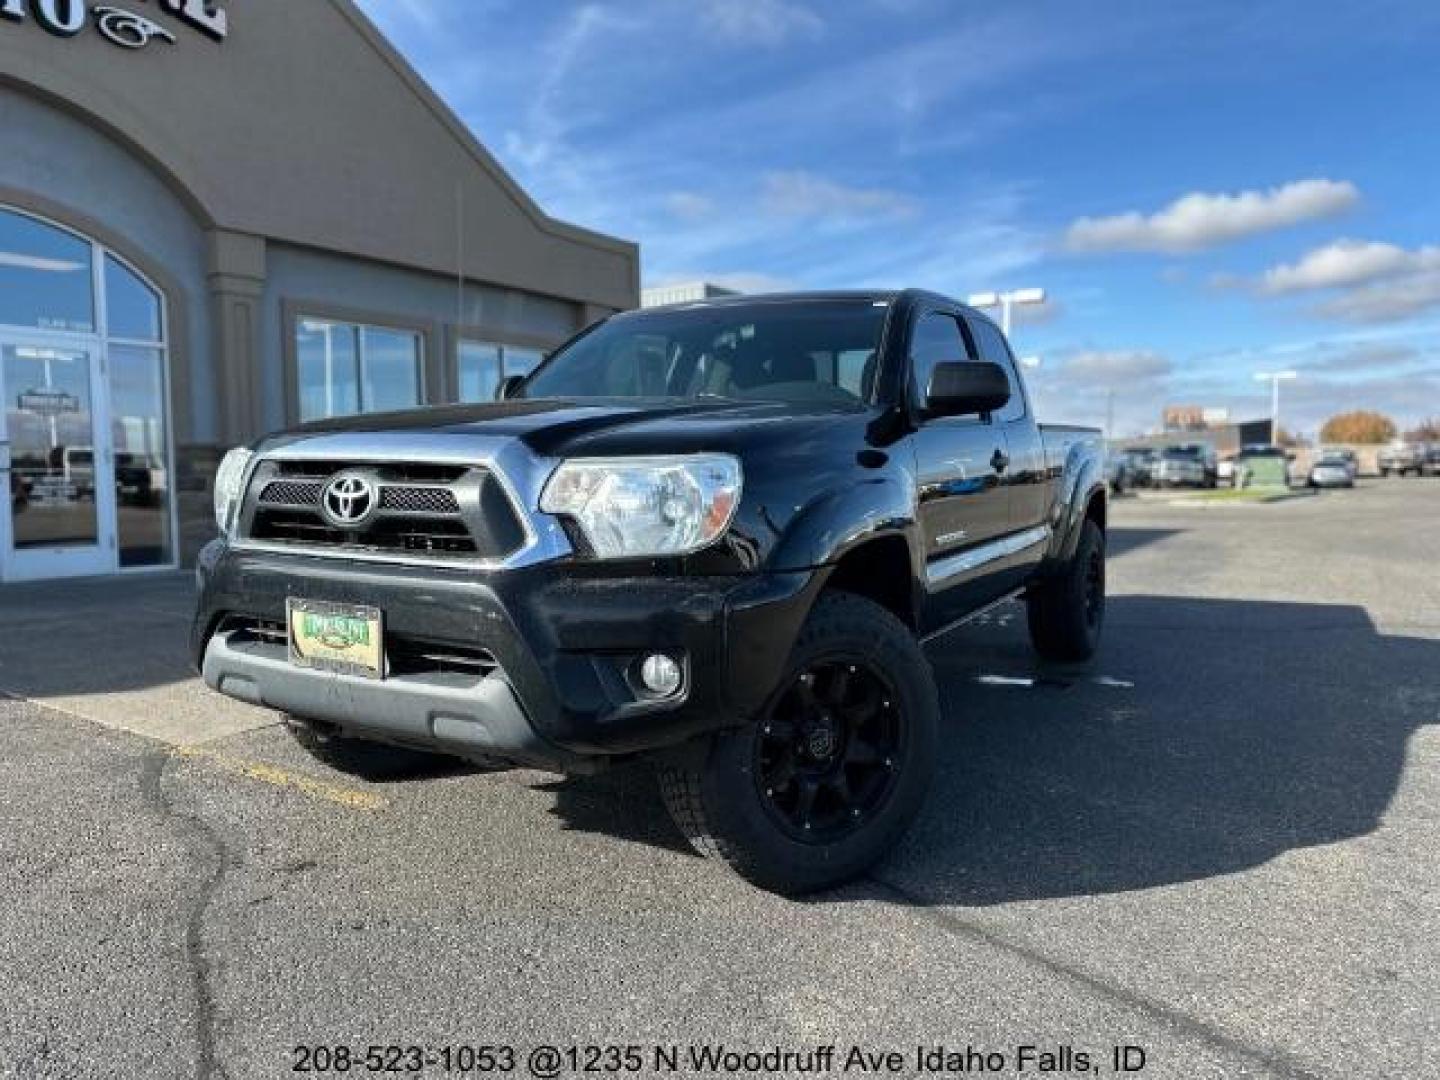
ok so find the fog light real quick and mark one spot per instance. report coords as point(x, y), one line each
point(660, 674)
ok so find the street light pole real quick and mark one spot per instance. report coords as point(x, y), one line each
point(1274, 378)
point(1006, 302)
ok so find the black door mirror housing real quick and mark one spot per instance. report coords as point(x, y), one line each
point(508, 386)
point(966, 388)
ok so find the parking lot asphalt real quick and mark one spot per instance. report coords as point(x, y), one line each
point(1218, 843)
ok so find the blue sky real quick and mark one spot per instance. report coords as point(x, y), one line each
point(1205, 190)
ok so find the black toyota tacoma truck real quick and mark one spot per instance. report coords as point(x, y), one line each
point(715, 535)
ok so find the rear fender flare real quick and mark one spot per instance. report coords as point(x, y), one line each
point(1083, 484)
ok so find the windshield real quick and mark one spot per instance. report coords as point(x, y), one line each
point(813, 351)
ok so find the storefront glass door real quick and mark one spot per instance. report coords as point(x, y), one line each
point(59, 517)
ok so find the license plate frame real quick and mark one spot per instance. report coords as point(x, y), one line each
point(355, 632)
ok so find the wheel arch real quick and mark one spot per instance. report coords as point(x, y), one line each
point(1089, 501)
point(879, 569)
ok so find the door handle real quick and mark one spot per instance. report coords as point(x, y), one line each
point(999, 461)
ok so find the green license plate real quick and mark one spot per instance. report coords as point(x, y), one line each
point(344, 638)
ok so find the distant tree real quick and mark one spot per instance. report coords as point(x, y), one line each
point(1286, 437)
point(1360, 426)
point(1428, 430)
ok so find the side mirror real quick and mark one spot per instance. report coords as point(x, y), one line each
point(508, 386)
point(966, 388)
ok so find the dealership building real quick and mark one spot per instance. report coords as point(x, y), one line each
point(222, 217)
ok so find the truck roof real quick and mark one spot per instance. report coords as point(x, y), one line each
point(874, 295)
point(877, 296)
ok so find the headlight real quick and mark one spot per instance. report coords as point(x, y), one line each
point(640, 506)
point(228, 480)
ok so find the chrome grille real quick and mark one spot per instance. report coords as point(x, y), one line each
point(424, 511)
point(292, 493)
point(419, 500)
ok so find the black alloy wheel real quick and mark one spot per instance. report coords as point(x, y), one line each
point(825, 756)
point(824, 780)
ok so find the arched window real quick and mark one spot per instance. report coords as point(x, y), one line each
point(64, 299)
point(46, 276)
point(132, 308)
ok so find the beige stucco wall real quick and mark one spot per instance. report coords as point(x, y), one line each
point(299, 161)
point(304, 125)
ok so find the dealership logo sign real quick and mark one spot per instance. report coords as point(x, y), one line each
point(121, 26)
point(128, 30)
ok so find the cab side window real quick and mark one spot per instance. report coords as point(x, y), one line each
point(991, 345)
point(937, 338)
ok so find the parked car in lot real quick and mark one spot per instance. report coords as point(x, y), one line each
point(1258, 459)
point(1185, 466)
point(712, 535)
point(1333, 468)
point(19, 492)
point(1117, 473)
point(1432, 458)
point(1402, 458)
point(75, 466)
point(1225, 470)
point(1140, 462)
point(139, 480)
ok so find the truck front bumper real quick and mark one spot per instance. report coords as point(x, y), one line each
point(555, 651)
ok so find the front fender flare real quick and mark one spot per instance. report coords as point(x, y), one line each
point(765, 619)
point(840, 520)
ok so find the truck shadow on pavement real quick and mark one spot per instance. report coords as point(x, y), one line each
point(1208, 737)
point(1123, 540)
point(1251, 729)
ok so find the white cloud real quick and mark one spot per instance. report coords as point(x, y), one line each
point(1386, 301)
point(689, 205)
point(741, 281)
point(966, 245)
point(1041, 314)
point(543, 142)
point(422, 11)
point(751, 282)
point(1101, 368)
point(760, 22)
point(1097, 386)
point(1201, 220)
point(1364, 358)
point(1370, 281)
point(1348, 262)
point(799, 194)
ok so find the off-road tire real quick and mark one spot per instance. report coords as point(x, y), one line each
point(1067, 612)
point(713, 787)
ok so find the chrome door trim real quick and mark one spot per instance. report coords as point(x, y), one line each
point(944, 572)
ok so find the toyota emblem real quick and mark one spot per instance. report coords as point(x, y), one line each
point(349, 500)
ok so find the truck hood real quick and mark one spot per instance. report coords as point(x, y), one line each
point(562, 428)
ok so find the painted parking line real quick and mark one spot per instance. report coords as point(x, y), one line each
point(341, 795)
point(1032, 681)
